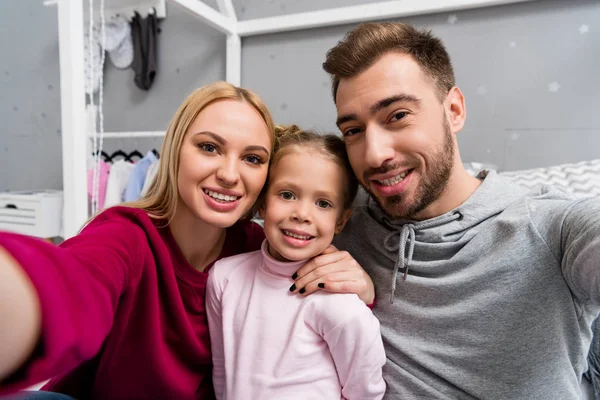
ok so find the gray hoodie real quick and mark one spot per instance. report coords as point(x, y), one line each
point(492, 300)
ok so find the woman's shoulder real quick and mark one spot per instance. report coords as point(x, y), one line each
point(126, 224)
point(127, 217)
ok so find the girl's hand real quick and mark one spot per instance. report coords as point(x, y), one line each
point(334, 271)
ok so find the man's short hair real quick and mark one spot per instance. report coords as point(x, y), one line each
point(367, 43)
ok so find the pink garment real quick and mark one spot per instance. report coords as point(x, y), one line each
point(102, 180)
point(268, 343)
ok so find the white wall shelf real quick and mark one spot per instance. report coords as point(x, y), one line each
point(126, 135)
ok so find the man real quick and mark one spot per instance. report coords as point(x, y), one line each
point(484, 290)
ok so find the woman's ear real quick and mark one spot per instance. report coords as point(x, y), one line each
point(342, 221)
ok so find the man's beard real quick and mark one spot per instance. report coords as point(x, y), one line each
point(431, 186)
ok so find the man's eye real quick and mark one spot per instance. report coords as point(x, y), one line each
point(351, 132)
point(398, 116)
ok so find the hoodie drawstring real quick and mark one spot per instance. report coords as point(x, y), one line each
point(407, 236)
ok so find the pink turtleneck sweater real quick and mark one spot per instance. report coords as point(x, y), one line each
point(268, 343)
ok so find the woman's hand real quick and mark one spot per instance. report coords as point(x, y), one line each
point(20, 315)
point(334, 271)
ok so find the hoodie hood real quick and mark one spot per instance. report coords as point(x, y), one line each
point(492, 197)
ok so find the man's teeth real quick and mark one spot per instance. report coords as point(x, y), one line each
point(295, 236)
point(220, 196)
point(395, 180)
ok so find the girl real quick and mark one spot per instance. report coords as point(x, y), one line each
point(118, 311)
point(268, 343)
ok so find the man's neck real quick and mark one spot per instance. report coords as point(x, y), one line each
point(459, 188)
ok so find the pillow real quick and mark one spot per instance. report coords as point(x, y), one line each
point(581, 179)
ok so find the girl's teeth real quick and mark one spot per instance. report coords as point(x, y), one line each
point(220, 196)
point(287, 233)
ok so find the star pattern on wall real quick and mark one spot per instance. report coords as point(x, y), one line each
point(481, 90)
point(553, 86)
point(513, 44)
point(452, 18)
point(583, 29)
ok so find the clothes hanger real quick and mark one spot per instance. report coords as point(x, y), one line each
point(135, 153)
point(104, 155)
point(156, 153)
point(118, 153)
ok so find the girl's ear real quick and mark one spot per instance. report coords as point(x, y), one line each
point(342, 221)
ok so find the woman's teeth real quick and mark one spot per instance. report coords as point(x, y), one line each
point(295, 236)
point(395, 180)
point(220, 196)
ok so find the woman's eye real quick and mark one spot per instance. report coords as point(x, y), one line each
point(254, 160)
point(324, 204)
point(286, 195)
point(398, 116)
point(208, 147)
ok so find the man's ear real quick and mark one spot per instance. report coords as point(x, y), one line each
point(342, 221)
point(456, 111)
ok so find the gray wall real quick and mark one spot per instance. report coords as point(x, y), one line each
point(30, 147)
point(190, 55)
point(505, 59)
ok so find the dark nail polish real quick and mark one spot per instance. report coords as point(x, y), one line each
point(321, 285)
point(302, 290)
point(293, 287)
point(295, 276)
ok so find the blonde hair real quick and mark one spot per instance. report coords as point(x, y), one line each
point(160, 201)
point(293, 138)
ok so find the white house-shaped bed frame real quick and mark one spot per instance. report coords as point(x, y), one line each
point(73, 102)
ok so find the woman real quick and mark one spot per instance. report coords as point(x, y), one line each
point(118, 310)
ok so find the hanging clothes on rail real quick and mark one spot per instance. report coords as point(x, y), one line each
point(104, 171)
point(150, 176)
point(118, 179)
point(138, 177)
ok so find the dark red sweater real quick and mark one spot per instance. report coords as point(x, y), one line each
point(123, 313)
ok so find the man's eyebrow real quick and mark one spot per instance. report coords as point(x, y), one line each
point(346, 118)
point(380, 105)
point(388, 101)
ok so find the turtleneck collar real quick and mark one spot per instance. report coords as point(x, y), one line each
point(275, 268)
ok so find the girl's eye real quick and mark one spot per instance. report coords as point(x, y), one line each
point(324, 204)
point(287, 195)
point(398, 116)
point(208, 147)
point(254, 160)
